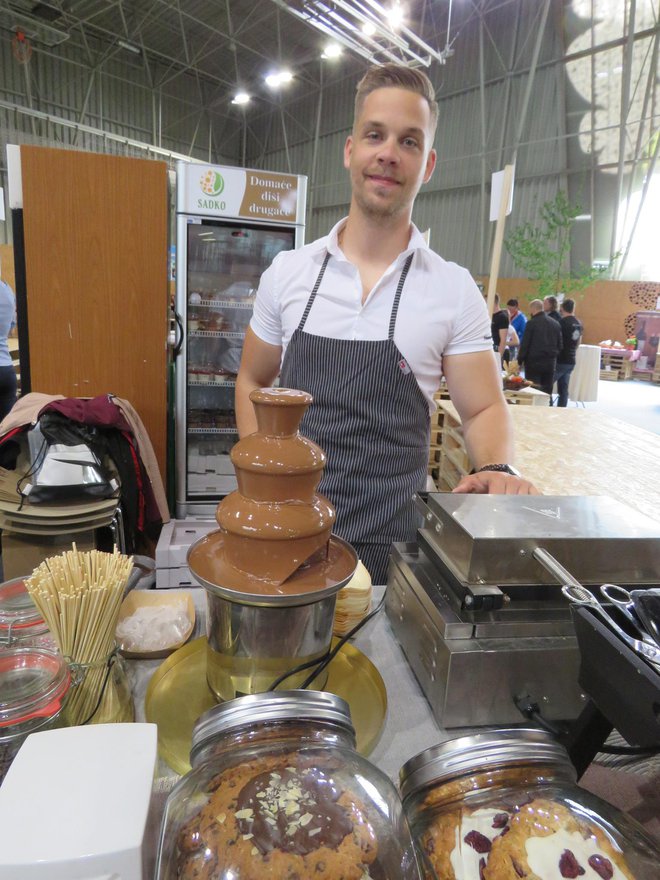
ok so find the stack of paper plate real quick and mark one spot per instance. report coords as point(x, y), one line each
point(353, 601)
point(49, 518)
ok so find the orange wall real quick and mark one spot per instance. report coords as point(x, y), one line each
point(602, 308)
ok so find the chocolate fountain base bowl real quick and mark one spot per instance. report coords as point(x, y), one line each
point(257, 630)
point(311, 583)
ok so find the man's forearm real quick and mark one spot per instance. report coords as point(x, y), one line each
point(246, 419)
point(489, 436)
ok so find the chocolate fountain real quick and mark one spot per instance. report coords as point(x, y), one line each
point(273, 569)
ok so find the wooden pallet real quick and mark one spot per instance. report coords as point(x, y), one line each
point(617, 363)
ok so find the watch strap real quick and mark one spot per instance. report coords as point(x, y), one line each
point(503, 468)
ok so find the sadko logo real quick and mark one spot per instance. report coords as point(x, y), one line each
point(212, 183)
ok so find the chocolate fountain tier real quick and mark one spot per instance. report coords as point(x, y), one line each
point(271, 468)
point(270, 540)
point(322, 576)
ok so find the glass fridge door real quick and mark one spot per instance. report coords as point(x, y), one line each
point(225, 262)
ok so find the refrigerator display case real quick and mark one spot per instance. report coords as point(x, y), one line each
point(231, 223)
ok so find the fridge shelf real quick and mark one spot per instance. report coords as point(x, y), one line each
point(226, 304)
point(217, 334)
point(213, 431)
point(219, 382)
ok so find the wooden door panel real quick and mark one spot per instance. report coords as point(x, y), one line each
point(96, 271)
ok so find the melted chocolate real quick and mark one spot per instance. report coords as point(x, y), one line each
point(296, 812)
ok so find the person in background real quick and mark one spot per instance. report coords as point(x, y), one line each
point(367, 319)
point(499, 324)
point(541, 343)
point(550, 308)
point(571, 334)
point(8, 382)
point(512, 343)
point(516, 317)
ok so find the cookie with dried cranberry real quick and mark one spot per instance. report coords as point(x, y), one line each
point(437, 842)
point(456, 844)
point(277, 819)
point(546, 841)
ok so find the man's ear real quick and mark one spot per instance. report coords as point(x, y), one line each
point(348, 149)
point(430, 165)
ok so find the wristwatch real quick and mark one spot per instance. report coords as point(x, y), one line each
point(504, 468)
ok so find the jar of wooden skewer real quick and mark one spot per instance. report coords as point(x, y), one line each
point(100, 692)
point(79, 595)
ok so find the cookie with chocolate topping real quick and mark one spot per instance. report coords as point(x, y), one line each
point(277, 819)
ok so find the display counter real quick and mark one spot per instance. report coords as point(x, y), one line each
point(574, 451)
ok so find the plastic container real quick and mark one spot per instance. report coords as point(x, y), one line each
point(34, 683)
point(21, 623)
point(277, 790)
point(504, 804)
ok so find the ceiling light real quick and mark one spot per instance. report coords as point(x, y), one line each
point(394, 16)
point(275, 80)
point(332, 50)
point(130, 47)
point(368, 29)
point(241, 98)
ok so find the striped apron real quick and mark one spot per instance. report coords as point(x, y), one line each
point(372, 419)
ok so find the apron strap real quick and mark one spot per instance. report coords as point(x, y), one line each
point(397, 295)
point(312, 296)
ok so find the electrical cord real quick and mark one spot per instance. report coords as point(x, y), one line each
point(529, 709)
point(320, 663)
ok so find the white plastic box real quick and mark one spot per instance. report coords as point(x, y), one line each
point(74, 804)
point(175, 540)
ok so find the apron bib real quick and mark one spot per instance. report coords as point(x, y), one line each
point(371, 418)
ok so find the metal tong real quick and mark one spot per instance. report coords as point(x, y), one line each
point(579, 595)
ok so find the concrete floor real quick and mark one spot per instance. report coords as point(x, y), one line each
point(634, 401)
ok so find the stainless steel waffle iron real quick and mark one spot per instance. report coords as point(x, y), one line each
point(477, 606)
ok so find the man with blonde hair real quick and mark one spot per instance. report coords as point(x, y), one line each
point(368, 319)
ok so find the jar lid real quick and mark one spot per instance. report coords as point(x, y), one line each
point(16, 606)
point(33, 682)
point(482, 751)
point(295, 705)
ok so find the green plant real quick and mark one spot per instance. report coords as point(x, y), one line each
point(542, 251)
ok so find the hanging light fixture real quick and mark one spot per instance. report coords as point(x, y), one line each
point(377, 32)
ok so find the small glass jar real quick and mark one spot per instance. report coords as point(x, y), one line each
point(278, 791)
point(21, 623)
point(504, 805)
point(34, 683)
point(100, 693)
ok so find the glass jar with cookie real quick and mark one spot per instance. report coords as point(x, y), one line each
point(504, 805)
point(277, 791)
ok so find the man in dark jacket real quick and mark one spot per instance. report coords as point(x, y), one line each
point(571, 333)
point(541, 343)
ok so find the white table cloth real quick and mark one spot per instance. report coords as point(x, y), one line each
point(583, 385)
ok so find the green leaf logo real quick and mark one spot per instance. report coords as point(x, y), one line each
point(211, 183)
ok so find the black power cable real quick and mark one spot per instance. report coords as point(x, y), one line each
point(320, 663)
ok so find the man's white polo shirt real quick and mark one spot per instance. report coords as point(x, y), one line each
point(441, 309)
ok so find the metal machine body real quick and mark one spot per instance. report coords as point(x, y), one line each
point(476, 602)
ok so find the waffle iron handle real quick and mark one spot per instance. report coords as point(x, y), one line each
point(555, 568)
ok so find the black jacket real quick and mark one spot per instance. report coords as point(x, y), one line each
point(571, 331)
point(541, 340)
point(554, 314)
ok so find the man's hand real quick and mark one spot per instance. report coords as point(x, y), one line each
point(495, 483)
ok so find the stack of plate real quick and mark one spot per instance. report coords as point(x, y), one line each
point(353, 601)
point(50, 518)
